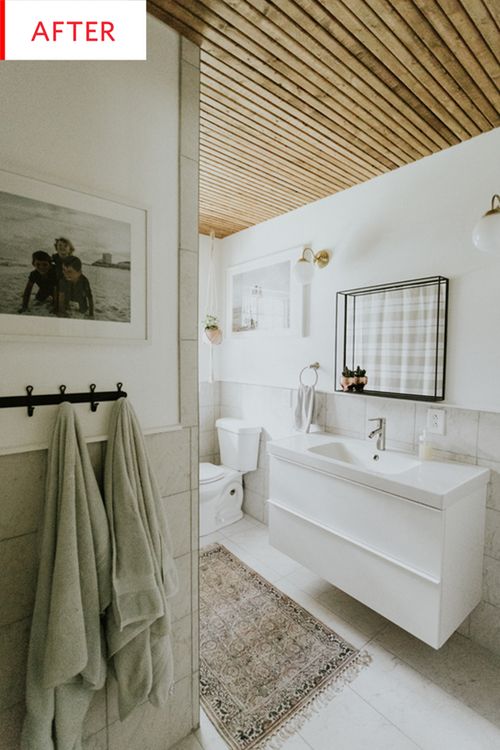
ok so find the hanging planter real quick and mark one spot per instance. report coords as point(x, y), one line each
point(212, 333)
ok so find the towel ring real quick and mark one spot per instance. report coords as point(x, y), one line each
point(315, 367)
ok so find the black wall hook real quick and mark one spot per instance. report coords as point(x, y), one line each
point(92, 397)
point(93, 404)
point(30, 407)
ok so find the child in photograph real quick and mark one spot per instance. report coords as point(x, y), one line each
point(64, 248)
point(74, 289)
point(44, 276)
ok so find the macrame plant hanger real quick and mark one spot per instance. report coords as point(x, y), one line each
point(212, 334)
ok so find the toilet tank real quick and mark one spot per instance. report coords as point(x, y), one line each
point(238, 443)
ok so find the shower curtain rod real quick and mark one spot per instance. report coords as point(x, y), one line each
point(91, 397)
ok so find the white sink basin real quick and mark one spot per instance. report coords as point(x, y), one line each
point(385, 462)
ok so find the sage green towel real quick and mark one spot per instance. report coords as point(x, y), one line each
point(66, 660)
point(138, 625)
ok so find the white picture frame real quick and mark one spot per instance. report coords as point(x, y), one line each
point(277, 307)
point(33, 213)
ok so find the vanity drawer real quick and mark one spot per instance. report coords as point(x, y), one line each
point(405, 596)
point(395, 527)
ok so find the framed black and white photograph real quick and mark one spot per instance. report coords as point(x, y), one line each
point(264, 298)
point(71, 264)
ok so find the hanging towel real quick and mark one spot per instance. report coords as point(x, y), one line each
point(305, 407)
point(143, 570)
point(66, 660)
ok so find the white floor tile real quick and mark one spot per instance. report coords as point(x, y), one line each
point(208, 736)
point(349, 723)
point(432, 718)
point(188, 743)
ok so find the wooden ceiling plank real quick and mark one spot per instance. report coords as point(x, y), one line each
point(299, 89)
point(371, 31)
point(233, 205)
point(254, 174)
point(434, 54)
point(283, 112)
point(457, 14)
point(216, 109)
point(484, 20)
point(239, 179)
point(344, 71)
point(331, 37)
point(300, 52)
point(258, 150)
point(305, 158)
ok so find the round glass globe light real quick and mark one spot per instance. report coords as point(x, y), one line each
point(304, 271)
point(486, 233)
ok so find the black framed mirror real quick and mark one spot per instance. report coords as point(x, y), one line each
point(391, 339)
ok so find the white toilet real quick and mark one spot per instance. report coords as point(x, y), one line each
point(221, 489)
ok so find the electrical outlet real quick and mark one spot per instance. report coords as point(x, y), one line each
point(436, 421)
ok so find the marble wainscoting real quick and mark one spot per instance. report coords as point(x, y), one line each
point(471, 437)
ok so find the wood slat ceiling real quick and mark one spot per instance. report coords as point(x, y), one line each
point(303, 98)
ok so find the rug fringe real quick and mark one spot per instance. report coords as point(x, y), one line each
point(320, 699)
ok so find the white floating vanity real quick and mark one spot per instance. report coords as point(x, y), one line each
point(404, 537)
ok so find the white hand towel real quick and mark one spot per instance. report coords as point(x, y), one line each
point(143, 571)
point(305, 408)
point(66, 661)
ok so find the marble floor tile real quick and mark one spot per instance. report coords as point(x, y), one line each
point(422, 710)
point(207, 735)
point(353, 611)
point(464, 669)
point(309, 582)
point(253, 562)
point(189, 743)
point(349, 723)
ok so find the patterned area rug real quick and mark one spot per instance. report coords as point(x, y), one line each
point(265, 661)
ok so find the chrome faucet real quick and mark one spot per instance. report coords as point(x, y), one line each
point(379, 431)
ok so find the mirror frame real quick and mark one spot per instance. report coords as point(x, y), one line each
point(342, 298)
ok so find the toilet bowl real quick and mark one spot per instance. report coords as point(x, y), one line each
point(221, 487)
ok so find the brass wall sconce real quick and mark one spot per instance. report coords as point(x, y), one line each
point(486, 234)
point(304, 268)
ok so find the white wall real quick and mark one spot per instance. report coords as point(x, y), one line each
point(415, 221)
point(109, 129)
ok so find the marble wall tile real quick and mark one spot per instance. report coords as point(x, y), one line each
point(491, 581)
point(178, 513)
point(170, 457)
point(210, 393)
point(194, 474)
point(190, 52)
point(11, 721)
point(189, 204)
point(493, 497)
point(400, 420)
point(189, 383)
point(488, 439)
point(461, 430)
point(23, 492)
point(230, 394)
point(208, 443)
point(18, 573)
point(182, 647)
point(253, 504)
point(207, 418)
point(14, 640)
point(255, 481)
point(346, 414)
point(190, 110)
point(181, 602)
point(195, 519)
point(492, 534)
point(189, 322)
point(485, 626)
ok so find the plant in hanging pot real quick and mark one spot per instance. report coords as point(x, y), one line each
point(212, 332)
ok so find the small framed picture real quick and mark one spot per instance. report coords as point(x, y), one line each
point(264, 298)
point(72, 265)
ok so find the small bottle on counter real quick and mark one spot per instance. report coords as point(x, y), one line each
point(425, 452)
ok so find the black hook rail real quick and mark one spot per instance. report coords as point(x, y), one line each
point(93, 398)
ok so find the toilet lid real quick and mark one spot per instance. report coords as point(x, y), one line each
point(210, 473)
